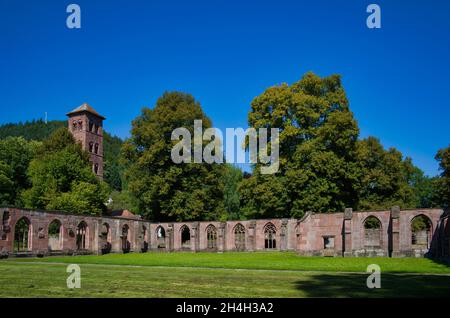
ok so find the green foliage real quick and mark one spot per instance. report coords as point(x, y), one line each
point(232, 177)
point(123, 200)
point(39, 130)
point(420, 223)
point(15, 156)
point(62, 179)
point(372, 223)
point(6, 184)
point(318, 137)
point(165, 190)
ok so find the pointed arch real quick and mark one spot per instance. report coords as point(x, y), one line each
point(211, 236)
point(239, 237)
point(270, 233)
point(82, 236)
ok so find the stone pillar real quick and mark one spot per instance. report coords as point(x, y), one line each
point(394, 233)
point(169, 238)
point(284, 235)
point(251, 236)
point(117, 241)
point(195, 237)
point(221, 239)
point(94, 246)
point(347, 233)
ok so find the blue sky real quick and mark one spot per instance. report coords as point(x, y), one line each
point(225, 53)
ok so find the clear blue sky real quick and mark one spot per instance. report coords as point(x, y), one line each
point(225, 53)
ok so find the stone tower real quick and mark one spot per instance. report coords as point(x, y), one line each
point(86, 126)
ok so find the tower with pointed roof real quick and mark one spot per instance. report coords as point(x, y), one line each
point(86, 126)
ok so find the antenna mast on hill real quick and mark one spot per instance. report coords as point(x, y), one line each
point(45, 118)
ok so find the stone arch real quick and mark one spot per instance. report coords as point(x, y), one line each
point(55, 235)
point(160, 237)
point(270, 233)
point(82, 236)
point(239, 237)
point(211, 237)
point(23, 235)
point(372, 232)
point(185, 237)
point(126, 245)
point(421, 231)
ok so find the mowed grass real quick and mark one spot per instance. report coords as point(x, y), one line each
point(49, 280)
point(185, 275)
point(256, 260)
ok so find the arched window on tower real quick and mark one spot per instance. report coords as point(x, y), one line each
point(96, 148)
point(96, 168)
point(91, 126)
point(91, 146)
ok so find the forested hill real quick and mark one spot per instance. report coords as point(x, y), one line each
point(39, 130)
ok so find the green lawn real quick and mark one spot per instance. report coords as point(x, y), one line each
point(258, 260)
point(221, 275)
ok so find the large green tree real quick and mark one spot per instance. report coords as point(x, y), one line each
point(165, 190)
point(232, 177)
point(318, 136)
point(62, 178)
point(387, 179)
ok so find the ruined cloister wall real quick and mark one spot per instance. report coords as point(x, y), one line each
point(334, 234)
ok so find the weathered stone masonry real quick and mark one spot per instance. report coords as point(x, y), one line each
point(335, 234)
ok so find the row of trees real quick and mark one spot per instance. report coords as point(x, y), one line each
point(324, 166)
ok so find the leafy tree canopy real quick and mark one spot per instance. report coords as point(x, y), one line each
point(62, 178)
point(165, 190)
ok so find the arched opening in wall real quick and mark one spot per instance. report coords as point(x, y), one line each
point(421, 232)
point(185, 237)
point(105, 238)
point(96, 148)
point(239, 237)
point(22, 235)
point(211, 236)
point(372, 232)
point(82, 236)
point(55, 240)
point(160, 237)
point(270, 232)
point(126, 245)
point(91, 147)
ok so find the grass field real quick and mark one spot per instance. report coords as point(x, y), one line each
point(222, 275)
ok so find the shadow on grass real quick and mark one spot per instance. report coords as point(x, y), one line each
point(392, 286)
